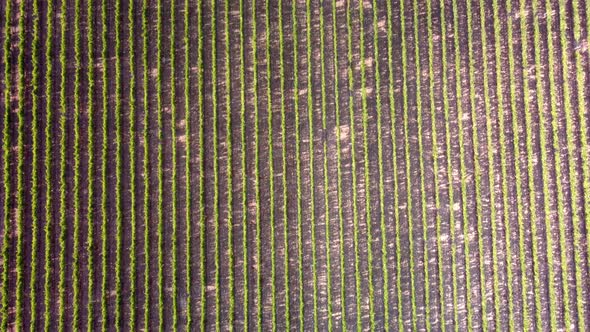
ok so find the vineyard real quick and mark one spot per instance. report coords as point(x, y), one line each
point(300, 165)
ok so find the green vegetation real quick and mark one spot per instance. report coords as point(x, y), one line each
point(201, 167)
point(146, 169)
point(6, 160)
point(187, 167)
point(47, 164)
point(91, 168)
point(243, 166)
point(103, 197)
point(35, 160)
point(585, 134)
point(62, 167)
point(132, 168)
point(20, 220)
point(76, 189)
point(160, 165)
point(174, 213)
point(581, 76)
point(216, 219)
point(119, 171)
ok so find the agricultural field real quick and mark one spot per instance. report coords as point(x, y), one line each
point(295, 165)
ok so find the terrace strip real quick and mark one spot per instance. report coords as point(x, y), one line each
point(294, 165)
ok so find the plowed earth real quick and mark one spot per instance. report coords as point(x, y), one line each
point(274, 165)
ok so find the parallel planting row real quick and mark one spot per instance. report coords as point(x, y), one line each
point(295, 165)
